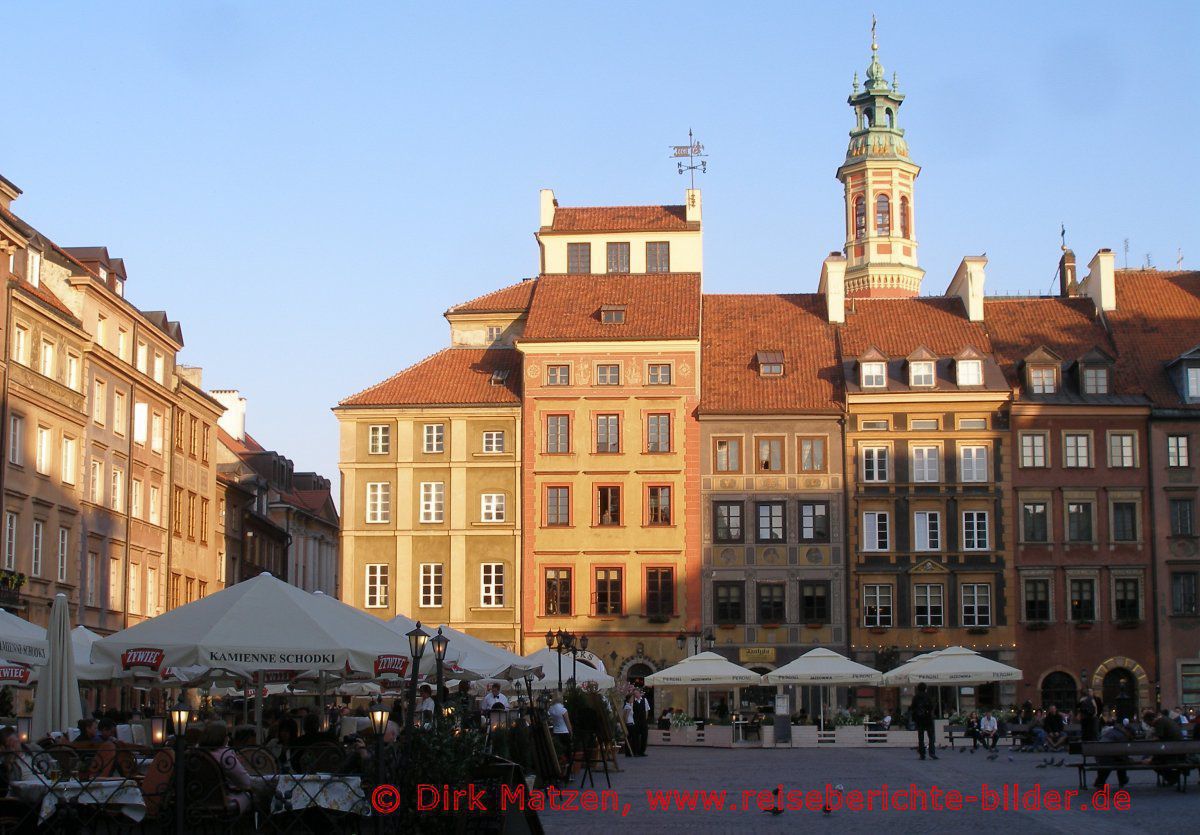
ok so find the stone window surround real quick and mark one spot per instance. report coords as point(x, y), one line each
point(1024, 574)
point(1092, 574)
point(1035, 497)
point(1075, 496)
point(1137, 452)
point(1115, 574)
point(1132, 496)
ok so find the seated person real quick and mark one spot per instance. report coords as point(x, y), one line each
point(87, 731)
point(1055, 728)
point(972, 731)
point(104, 762)
point(16, 763)
point(282, 745)
point(664, 719)
point(989, 730)
point(239, 786)
point(1114, 731)
point(1165, 729)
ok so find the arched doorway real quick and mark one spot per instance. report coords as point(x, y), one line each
point(1059, 689)
point(636, 675)
point(1121, 692)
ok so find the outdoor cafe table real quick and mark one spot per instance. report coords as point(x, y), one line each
point(117, 792)
point(335, 792)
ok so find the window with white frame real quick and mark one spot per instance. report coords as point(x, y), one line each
point(431, 584)
point(1033, 449)
point(874, 375)
point(1095, 381)
point(877, 605)
point(46, 360)
point(492, 507)
point(155, 506)
point(376, 586)
point(1193, 381)
point(135, 498)
point(658, 374)
point(875, 463)
point(379, 502)
point(976, 604)
point(156, 432)
point(1042, 379)
point(33, 267)
point(120, 419)
point(93, 566)
point(68, 461)
point(972, 463)
point(920, 373)
point(927, 530)
point(16, 428)
point(73, 378)
point(875, 530)
point(122, 343)
point(493, 440)
point(928, 604)
point(972, 423)
point(152, 591)
point(135, 588)
point(64, 541)
point(159, 368)
point(433, 501)
point(494, 332)
point(141, 422)
point(975, 530)
point(379, 439)
point(558, 375)
point(10, 540)
point(117, 490)
point(491, 585)
point(970, 373)
point(924, 424)
point(20, 344)
point(925, 460)
point(141, 356)
point(96, 482)
point(1177, 450)
point(39, 535)
point(99, 402)
point(608, 375)
point(42, 458)
point(1077, 449)
point(1122, 449)
point(435, 438)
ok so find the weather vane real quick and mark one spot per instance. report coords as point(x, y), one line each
point(874, 42)
point(694, 153)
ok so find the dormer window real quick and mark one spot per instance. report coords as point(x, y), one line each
point(35, 268)
point(493, 333)
point(921, 373)
point(874, 375)
point(1041, 379)
point(1193, 382)
point(1095, 381)
point(499, 376)
point(770, 363)
point(970, 372)
point(612, 314)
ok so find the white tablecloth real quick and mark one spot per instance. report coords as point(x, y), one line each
point(338, 793)
point(118, 792)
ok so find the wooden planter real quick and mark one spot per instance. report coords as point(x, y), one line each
point(770, 626)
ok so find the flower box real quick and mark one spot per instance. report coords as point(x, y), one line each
point(977, 630)
point(1083, 624)
point(726, 626)
point(658, 619)
point(815, 625)
point(770, 626)
point(878, 630)
point(1036, 625)
point(1128, 624)
point(929, 630)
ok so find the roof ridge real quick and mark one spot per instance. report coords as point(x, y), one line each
point(405, 370)
point(454, 307)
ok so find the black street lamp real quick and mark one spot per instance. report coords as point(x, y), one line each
point(440, 642)
point(180, 714)
point(417, 638)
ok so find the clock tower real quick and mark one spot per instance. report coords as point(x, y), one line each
point(878, 178)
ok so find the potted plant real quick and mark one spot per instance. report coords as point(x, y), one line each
point(929, 630)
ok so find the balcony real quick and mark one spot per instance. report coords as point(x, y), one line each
point(11, 583)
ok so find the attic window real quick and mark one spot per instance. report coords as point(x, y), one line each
point(874, 375)
point(499, 376)
point(770, 363)
point(612, 314)
point(1193, 381)
point(920, 373)
point(1095, 381)
point(970, 373)
point(1041, 379)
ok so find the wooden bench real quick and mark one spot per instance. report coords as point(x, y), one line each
point(1093, 751)
point(960, 731)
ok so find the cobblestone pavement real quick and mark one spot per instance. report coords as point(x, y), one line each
point(737, 770)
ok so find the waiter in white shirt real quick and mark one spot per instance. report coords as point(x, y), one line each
point(494, 700)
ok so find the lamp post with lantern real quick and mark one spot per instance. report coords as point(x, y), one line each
point(560, 642)
point(417, 639)
point(440, 642)
point(577, 647)
point(180, 714)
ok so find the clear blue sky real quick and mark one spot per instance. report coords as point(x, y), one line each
point(307, 186)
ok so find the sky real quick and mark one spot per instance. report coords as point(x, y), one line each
point(308, 186)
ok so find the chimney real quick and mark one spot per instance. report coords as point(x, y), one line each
point(547, 206)
point(833, 287)
point(1067, 285)
point(967, 284)
point(193, 374)
point(233, 420)
point(8, 193)
point(693, 205)
point(1100, 285)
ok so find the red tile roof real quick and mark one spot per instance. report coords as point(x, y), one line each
point(657, 306)
point(509, 299)
point(621, 219)
point(452, 377)
point(1157, 319)
point(42, 292)
point(897, 327)
point(737, 327)
point(246, 446)
point(1067, 326)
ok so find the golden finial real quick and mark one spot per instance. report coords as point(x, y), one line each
point(874, 43)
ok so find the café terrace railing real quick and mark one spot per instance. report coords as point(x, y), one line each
point(322, 789)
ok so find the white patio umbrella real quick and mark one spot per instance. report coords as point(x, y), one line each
point(823, 667)
point(259, 625)
point(22, 641)
point(469, 658)
point(702, 669)
point(953, 665)
point(57, 706)
point(82, 639)
point(583, 670)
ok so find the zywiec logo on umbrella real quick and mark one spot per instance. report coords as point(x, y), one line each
point(391, 665)
point(14, 673)
point(147, 657)
point(269, 677)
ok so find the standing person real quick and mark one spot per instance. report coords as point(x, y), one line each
point(641, 723)
point(425, 706)
point(627, 718)
point(560, 723)
point(989, 730)
point(494, 699)
point(921, 711)
point(1089, 709)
